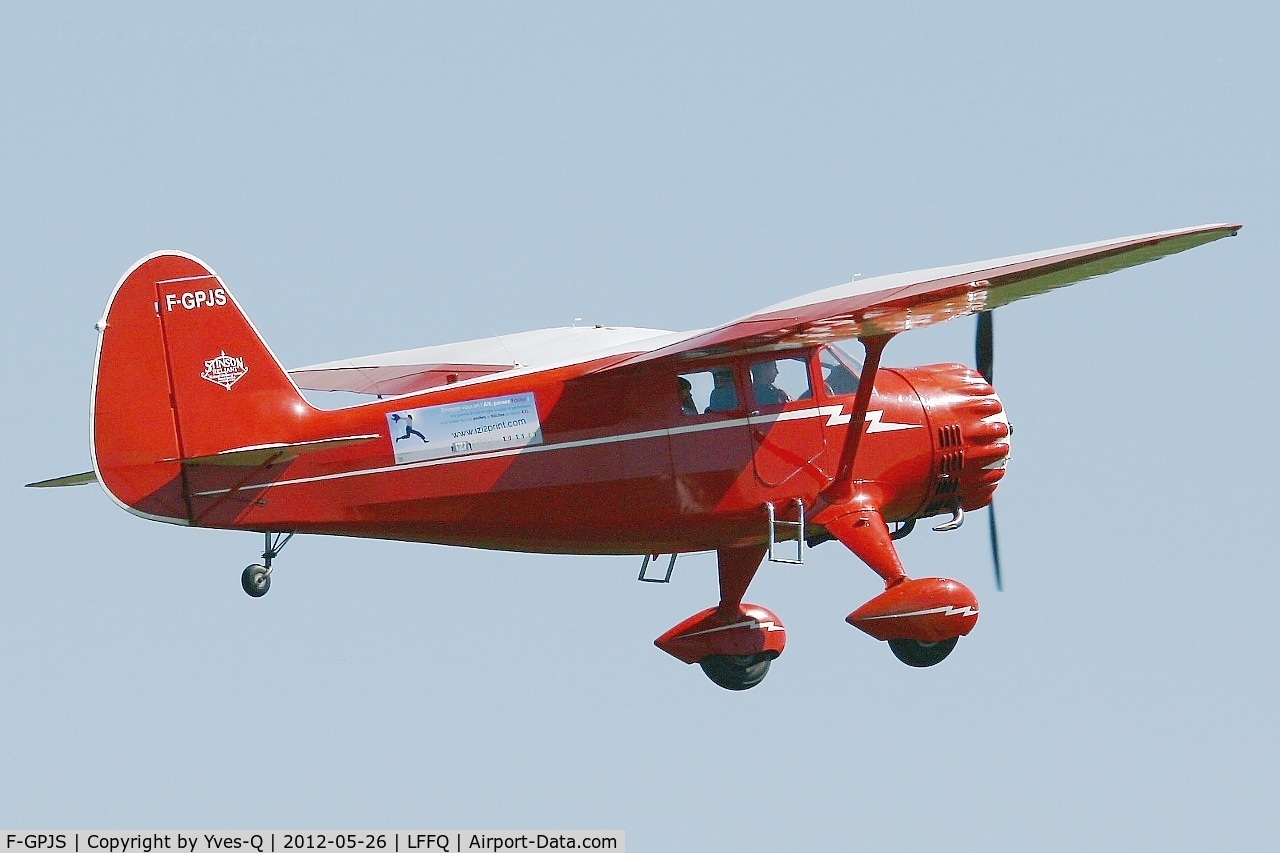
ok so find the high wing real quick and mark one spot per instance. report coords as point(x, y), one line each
point(866, 307)
point(895, 303)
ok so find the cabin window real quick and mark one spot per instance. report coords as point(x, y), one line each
point(707, 391)
point(780, 381)
point(840, 370)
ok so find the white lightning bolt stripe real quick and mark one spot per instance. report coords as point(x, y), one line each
point(838, 417)
point(834, 415)
point(945, 611)
point(749, 623)
point(874, 424)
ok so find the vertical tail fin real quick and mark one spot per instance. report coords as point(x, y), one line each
point(181, 373)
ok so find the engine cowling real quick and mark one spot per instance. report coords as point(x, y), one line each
point(970, 434)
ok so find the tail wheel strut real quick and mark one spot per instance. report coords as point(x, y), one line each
point(256, 579)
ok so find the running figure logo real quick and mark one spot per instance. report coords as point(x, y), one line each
point(408, 428)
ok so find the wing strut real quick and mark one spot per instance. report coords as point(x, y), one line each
point(842, 489)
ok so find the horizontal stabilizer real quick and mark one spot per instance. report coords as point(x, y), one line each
point(262, 454)
point(70, 480)
point(390, 379)
point(409, 371)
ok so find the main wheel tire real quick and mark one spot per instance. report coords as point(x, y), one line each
point(255, 581)
point(920, 653)
point(736, 672)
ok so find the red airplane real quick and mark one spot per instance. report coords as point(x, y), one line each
point(754, 439)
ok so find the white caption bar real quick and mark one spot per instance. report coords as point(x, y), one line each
point(188, 841)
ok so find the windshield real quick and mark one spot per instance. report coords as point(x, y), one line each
point(840, 370)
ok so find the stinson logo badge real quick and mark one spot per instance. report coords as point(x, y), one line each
point(225, 370)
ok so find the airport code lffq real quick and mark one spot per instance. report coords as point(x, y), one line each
point(188, 841)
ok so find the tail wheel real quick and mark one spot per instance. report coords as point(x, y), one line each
point(736, 672)
point(920, 653)
point(256, 580)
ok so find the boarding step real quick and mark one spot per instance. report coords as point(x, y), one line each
point(653, 558)
point(779, 527)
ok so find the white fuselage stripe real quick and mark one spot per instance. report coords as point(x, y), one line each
point(799, 414)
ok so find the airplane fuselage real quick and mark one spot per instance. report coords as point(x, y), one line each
point(616, 466)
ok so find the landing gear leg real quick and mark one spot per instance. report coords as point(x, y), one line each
point(256, 579)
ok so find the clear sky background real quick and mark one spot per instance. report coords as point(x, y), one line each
point(408, 174)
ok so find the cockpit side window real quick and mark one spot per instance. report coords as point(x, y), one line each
point(707, 391)
point(780, 381)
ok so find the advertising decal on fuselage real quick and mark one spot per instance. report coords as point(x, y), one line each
point(452, 429)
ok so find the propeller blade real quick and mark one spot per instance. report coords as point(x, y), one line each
point(984, 345)
point(995, 546)
point(985, 350)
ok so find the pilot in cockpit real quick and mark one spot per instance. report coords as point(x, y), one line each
point(766, 393)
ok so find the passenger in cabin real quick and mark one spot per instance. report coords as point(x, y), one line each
point(724, 397)
point(766, 393)
point(687, 406)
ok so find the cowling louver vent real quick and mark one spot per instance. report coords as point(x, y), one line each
point(949, 435)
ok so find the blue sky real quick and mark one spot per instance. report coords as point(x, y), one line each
point(409, 174)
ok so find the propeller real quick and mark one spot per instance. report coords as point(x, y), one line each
point(984, 351)
point(984, 346)
point(995, 546)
